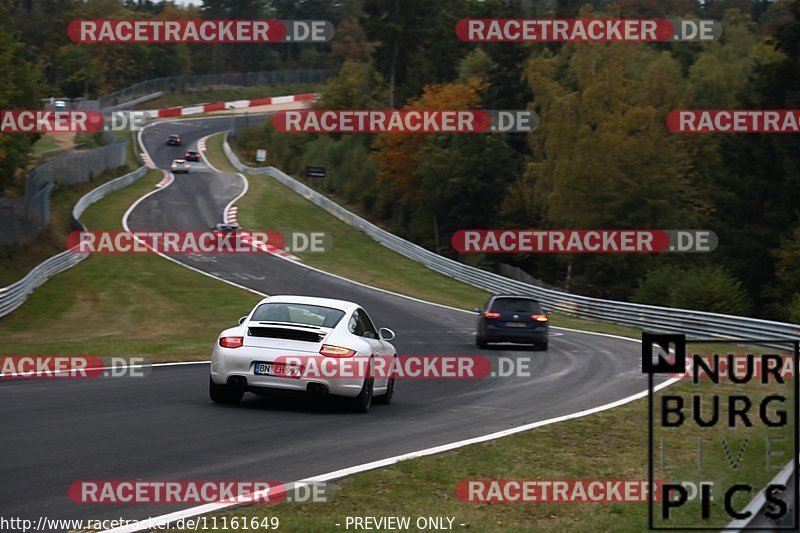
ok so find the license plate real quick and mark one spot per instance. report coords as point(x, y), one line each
point(278, 370)
point(516, 324)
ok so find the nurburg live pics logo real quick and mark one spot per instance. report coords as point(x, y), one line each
point(723, 440)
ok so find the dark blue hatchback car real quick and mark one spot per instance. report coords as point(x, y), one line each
point(518, 319)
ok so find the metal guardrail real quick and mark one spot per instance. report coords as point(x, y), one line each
point(759, 506)
point(134, 102)
point(14, 295)
point(23, 218)
point(699, 323)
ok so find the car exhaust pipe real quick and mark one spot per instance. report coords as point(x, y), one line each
point(317, 388)
point(240, 382)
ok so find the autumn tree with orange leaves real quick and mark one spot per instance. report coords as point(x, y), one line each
point(397, 153)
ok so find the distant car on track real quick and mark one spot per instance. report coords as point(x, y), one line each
point(192, 155)
point(507, 318)
point(223, 228)
point(244, 357)
point(179, 165)
point(174, 140)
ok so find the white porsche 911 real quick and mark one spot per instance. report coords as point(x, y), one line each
point(256, 355)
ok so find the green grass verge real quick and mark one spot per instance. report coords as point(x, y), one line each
point(125, 304)
point(146, 305)
point(44, 144)
point(18, 259)
point(226, 95)
point(269, 205)
point(608, 445)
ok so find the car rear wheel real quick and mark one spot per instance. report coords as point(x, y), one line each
point(386, 399)
point(363, 401)
point(480, 343)
point(224, 393)
point(542, 346)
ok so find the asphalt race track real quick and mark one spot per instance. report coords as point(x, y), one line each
point(165, 427)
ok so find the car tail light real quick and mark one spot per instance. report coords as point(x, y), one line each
point(231, 342)
point(489, 314)
point(329, 350)
point(539, 318)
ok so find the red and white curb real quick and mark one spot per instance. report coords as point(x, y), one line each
point(222, 106)
point(166, 180)
point(274, 250)
point(172, 517)
point(147, 161)
point(231, 212)
point(230, 216)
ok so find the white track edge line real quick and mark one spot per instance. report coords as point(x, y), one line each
point(246, 184)
point(140, 199)
point(336, 474)
point(212, 507)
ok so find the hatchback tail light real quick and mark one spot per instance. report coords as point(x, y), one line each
point(231, 342)
point(329, 350)
point(539, 318)
point(490, 314)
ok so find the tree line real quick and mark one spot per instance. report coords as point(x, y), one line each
point(602, 156)
point(38, 60)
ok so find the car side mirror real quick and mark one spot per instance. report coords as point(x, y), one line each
point(476, 310)
point(241, 320)
point(386, 334)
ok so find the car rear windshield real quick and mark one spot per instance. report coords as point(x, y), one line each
point(310, 315)
point(523, 305)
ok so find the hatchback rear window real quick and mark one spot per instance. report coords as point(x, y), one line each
point(523, 305)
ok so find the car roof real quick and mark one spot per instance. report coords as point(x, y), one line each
point(342, 305)
point(518, 296)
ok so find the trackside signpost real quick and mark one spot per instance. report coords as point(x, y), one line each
point(720, 435)
point(315, 172)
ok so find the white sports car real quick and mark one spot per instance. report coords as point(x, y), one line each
point(263, 351)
